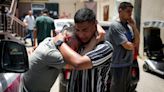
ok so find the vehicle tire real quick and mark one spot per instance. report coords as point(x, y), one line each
point(145, 67)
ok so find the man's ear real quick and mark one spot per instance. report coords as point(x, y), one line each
point(65, 34)
point(119, 10)
point(96, 22)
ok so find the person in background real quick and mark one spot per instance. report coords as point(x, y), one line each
point(29, 22)
point(124, 36)
point(44, 27)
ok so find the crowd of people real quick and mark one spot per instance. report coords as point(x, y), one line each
point(85, 48)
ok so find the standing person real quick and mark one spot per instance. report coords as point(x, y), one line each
point(44, 26)
point(124, 36)
point(29, 22)
point(88, 80)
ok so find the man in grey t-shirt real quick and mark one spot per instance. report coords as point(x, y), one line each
point(45, 64)
point(124, 36)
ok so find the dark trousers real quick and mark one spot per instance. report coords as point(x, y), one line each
point(29, 35)
point(120, 79)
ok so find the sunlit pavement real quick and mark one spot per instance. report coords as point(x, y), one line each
point(149, 82)
point(55, 87)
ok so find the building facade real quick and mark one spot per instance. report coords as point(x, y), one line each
point(106, 10)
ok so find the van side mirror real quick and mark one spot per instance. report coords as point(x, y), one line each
point(13, 57)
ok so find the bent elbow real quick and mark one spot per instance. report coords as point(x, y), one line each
point(83, 65)
point(128, 45)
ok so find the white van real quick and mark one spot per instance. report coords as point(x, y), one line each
point(61, 23)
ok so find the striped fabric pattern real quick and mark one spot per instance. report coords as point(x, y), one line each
point(95, 79)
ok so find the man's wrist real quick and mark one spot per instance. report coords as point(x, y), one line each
point(58, 43)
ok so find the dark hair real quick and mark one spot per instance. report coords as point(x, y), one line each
point(70, 31)
point(84, 15)
point(45, 11)
point(124, 5)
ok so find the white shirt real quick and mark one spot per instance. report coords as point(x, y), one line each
point(30, 20)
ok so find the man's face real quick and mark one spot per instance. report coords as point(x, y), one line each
point(75, 44)
point(30, 13)
point(85, 31)
point(126, 13)
point(72, 42)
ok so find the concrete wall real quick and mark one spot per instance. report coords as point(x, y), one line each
point(100, 11)
point(151, 10)
point(69, 7)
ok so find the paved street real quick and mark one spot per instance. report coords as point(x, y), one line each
point(149, 82)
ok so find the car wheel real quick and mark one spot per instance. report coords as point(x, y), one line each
point(145, 67)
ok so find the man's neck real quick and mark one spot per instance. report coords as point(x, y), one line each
point(44, 14)
point(87, 43)
point(122, 19)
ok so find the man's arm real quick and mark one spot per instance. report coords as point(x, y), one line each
point(35, 37)
point(75, 59)
point(68, 66)
point(136, 40)
point(35, 29)
point(88, 48)
point(87, 61)
point(128, 45)
point(135, 44)
point(53, 29)
point(25, 21)
point(101, 33)
point(53, 33)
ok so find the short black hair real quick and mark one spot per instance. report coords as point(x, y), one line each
point(45, 11)
point(124, 5)
point(84, 15)
point(69, 30)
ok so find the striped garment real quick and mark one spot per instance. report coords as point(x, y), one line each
point(95, 79)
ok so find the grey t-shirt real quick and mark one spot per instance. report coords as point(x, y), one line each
point(45, 65)
point(116, 35)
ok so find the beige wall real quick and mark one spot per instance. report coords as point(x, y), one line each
point(101, 4)
point(23, 8)
point(69, 7)
point(151, 10)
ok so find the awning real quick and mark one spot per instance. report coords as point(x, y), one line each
point(154, 23)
